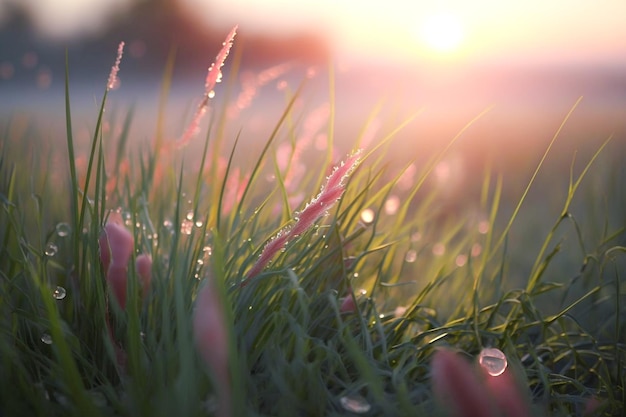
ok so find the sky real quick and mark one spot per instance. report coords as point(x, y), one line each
point(578, 31)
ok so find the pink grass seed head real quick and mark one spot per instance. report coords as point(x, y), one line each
point(330, 193)
point(113, 80)
point(214, 75)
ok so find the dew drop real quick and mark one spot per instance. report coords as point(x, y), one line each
point(59, 293)
point(367, 216)
point(51, 249)
point(392, 204)
point(493, 361)
point(355, 404)
point(410, 256)
point(483, 227)
point(186, 227)
point(439, 249)
point(46, 338)
point(399, 311)
point(63, 229)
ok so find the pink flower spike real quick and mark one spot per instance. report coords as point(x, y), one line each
point(214, 74)
point(194, 125)
point(211, 339)
point(331, 192)
point(316, 209)
point(113, 80)
point(269, 250)
point(342, 171)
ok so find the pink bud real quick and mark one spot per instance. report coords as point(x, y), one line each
point(591, 406)
point(116, 247)
point(457, 386)
point(507, 394)
point(117, 277)
point(143, 266)
point(105, 251)
point(118, 242)
point(211, 338)
point(347, 304)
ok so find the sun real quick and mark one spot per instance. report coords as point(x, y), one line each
point(441, 32)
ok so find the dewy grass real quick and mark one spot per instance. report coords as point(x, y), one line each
point(345, 317)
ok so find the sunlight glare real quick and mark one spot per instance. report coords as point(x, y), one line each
point(441, 32)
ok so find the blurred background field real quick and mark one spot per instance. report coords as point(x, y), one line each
point(527, 63)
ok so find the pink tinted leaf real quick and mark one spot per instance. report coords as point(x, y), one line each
point(347, 304)
point(507, 393)
point(211, 339)
point(457, 387)
point(119, 242)
point(117, 276)
point(143, 266)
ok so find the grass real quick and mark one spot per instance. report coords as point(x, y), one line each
point(550, 296)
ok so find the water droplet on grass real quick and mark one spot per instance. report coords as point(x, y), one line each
point(355, 403)
point(63, 229)
point(411, 256)
point(51, 249)
point(59, 293)
point(439, 249)
point(46, 338)
point(493, 361)
point(186, 227)
point(367, 216)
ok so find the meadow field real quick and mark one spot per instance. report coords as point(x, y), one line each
point(294, 241)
